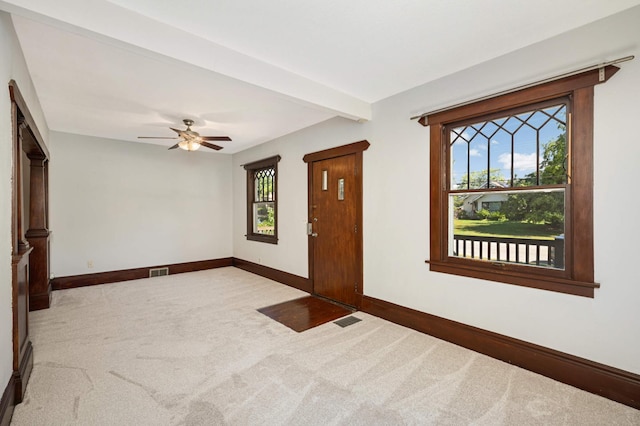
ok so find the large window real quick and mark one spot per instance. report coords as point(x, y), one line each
point(262, 206)
point(512, 165)
point(511, 187)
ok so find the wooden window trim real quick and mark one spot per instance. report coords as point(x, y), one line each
point(578, 275)
point(251, 168)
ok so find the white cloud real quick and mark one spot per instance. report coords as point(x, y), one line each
point(494, 142)
point(474, 153)
point(521, 162)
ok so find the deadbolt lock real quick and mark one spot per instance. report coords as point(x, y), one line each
point(310, 229)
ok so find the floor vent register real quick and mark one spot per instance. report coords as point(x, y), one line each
point(347, 321)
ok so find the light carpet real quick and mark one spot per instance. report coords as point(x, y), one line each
point(191, 349)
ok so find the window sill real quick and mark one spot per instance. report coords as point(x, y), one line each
point(539, 281)
point(270, 239)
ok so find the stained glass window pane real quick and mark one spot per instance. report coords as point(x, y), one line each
point(524, 149)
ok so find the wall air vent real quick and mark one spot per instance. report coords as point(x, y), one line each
point(158, 272)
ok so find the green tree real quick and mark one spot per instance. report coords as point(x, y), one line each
point(552, 166)
point(478, 179)
point(535, 207)
point(264, 184)
point(542, 207)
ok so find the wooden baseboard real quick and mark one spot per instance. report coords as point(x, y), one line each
point(291, 280)
point(40, 301)
point(612, 383)
point(63, 283)
point(74, 281)
point(7, 403)
point(21, 377)
point(14, 392)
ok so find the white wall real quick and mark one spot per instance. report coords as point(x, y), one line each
point(396, 199)
point(290, 254)
point(12, 67)
point(122, 205)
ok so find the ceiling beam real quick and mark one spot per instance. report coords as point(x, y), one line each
point(110, 23)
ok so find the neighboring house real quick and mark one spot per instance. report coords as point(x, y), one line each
point(476, 202)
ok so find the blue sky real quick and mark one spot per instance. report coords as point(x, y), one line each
point(491, 142)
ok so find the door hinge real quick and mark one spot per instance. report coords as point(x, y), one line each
point(355, 229)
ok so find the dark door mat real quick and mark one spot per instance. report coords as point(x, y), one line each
point(305, 313)
point(347, 321)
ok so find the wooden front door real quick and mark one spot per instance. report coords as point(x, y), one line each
point(335, 217)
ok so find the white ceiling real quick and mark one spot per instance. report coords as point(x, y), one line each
point(254, 69)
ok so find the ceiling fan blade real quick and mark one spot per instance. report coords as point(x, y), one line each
point(210, 145)
point(153, 137)
point(179, 132)
point(215, 138)
point(190, 137)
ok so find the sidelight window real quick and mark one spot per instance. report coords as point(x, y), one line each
point(262, 186)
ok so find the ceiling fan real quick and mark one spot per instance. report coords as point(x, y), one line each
point(190, 140)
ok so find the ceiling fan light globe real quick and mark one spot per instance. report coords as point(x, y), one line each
point(189, 145)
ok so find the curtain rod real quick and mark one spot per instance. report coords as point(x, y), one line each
point(526, 86)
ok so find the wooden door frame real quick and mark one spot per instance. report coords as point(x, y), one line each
point(356, 148)
point(36, 232)
point(26, 140)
